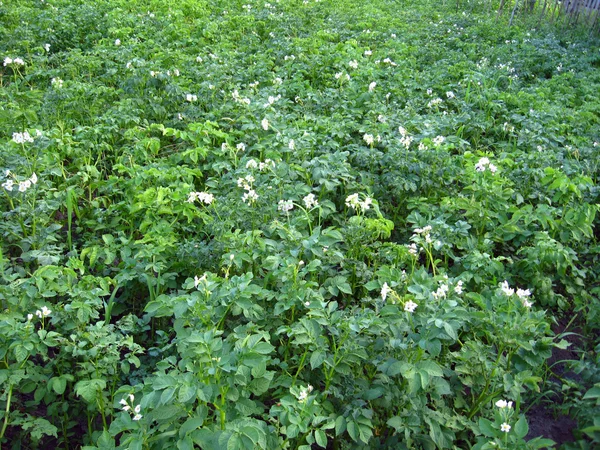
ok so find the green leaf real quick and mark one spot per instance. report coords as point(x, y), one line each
point(264, 348)
point(106, 441)
point(396, 423)
point(40, 427)
point(259, 386)
point(592, 392)
point(21, 353)
point(59, 385)
point(591, 430)
point(185, 443)
point(562, 344)
point(487, 427)
point(165, 412)
point(193, 423)
point(424, 376)
point(340, 425)
point(372, 285)
point(317, 358)
point(186, 393)
point(135, 444)
point(374, 393)
point(352, 430)
point(431, 367)
point(321, 438)
point(88, 389)
point(539, 443)
point(450, 330)
point(521, 427)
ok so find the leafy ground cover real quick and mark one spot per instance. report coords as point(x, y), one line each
point(296, 224)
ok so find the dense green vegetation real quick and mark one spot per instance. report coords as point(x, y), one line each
point(294, 225)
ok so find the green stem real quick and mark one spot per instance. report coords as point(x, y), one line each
point(300, 366)
point(301, 440)
point(6, 412)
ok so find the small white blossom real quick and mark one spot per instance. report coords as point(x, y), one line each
point(271, 100)
point(372, 86)
point(310, 201)
point(441, 291)
point(17, 61)
point(438, 140)
point(21, 138)
point(450, 94)
point(47, 47)
point(285, 205)
point(56, 82)
point(303, 395)
point(291, 144)
point(505, 427)
point(501, 404)
point(458, 288)
point(406, 141)
point(506, 289)
point(353, 201)
point(369, 139)
point(24, 185)
point(8, 185)
point(482, 163)
point(241, 147)
point(385, 290)
point(44, 312)
point(251, 196)
point(265, 124)
point(198, 280)
point(368, 53)
point(205, 197)
point(353, 64)
point(118, 42)
point(268, 163)
point(251, 164)
point(435, 102)
point(410, 306)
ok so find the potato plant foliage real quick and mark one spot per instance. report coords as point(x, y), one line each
point(294, 224)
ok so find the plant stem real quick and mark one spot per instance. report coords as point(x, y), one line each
point(7, 411)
